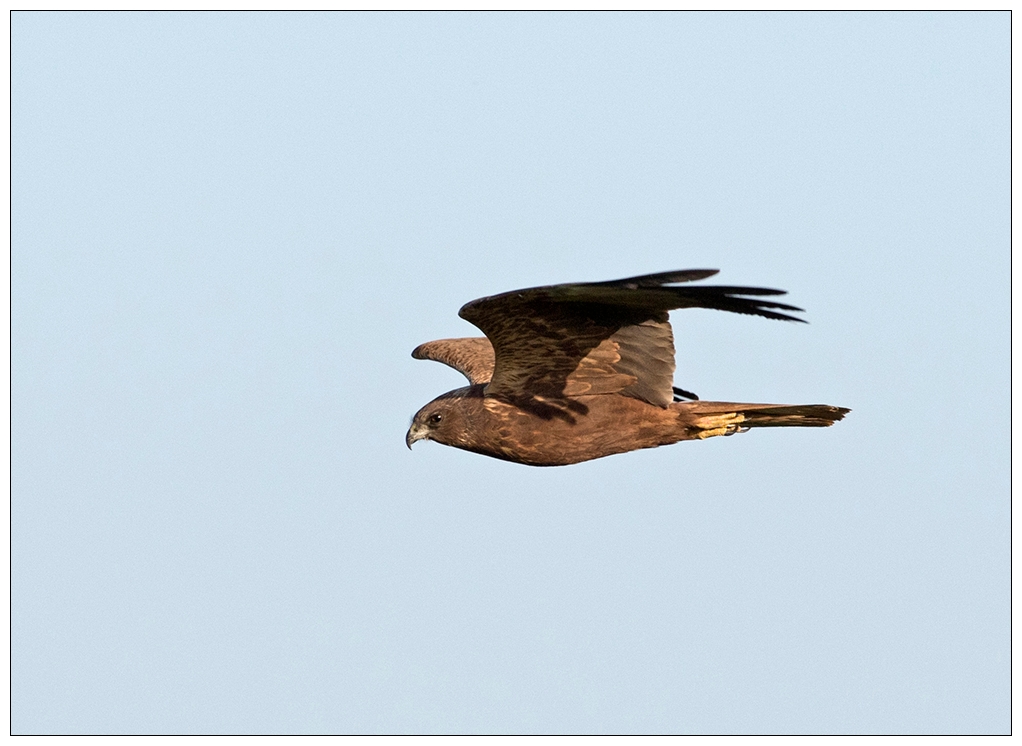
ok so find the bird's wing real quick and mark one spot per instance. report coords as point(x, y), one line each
point(470, 356)
point(560, 341)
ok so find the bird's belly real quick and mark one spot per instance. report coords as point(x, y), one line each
point(599, 426)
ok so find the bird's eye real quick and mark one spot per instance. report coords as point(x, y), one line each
point(434, 419)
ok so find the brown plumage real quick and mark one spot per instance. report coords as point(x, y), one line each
point(569, 373)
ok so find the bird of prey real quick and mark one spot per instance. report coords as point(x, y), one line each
point(573, 372)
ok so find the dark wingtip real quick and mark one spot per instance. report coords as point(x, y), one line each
point(660, 278)
point(683, 275)
point(680, 394)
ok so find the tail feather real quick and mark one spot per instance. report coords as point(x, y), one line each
point(707, 419)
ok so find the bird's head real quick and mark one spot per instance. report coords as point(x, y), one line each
point(445, 419)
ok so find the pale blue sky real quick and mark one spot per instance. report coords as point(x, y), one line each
point(230, 230)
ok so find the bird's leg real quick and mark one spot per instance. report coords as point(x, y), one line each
point(719, 424)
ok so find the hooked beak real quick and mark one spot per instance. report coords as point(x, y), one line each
point(415, 432)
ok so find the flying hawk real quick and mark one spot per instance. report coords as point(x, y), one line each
point(569, 373)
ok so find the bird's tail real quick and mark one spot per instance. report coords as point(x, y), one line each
point(706, 419)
